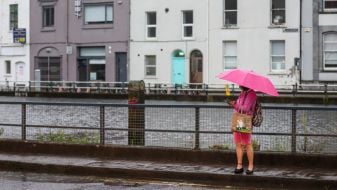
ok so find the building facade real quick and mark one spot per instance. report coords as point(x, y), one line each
point(319, 44)
point(79, 40)
point(14, 48)
point(169, 41)
point(260, 35)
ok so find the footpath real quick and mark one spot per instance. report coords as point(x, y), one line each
point(272, 170)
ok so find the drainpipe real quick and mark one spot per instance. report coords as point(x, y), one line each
point(301, 63)
point(67, 41)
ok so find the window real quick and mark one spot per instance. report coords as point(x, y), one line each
point(230, 12)
point(277, 56)
point(13, 16)
point(50, 68)
point(48, 16)
point(330, 5)
point(230, 55)
point(150, 65)
point(91, 64)
point(187, 24)
point(151, 25)
point(330, 51)
point(278, 12)
point(98, 14)
point(8, 67)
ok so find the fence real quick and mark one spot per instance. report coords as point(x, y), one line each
point(284, 129)
point(151, 88)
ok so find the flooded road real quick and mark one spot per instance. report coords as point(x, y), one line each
point(34, 181)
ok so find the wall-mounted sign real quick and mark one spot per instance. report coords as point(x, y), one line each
point(19, 35)
point(78, 7)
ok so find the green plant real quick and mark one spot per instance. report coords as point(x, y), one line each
point(61, 137)
point(256, 145)
point(2, 131)
point(219, 147)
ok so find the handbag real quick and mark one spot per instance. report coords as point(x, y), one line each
point(241, 123)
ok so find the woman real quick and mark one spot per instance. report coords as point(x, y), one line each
point(244, 104)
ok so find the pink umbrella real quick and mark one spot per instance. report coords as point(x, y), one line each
point(250, 80)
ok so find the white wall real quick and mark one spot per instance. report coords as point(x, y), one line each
point(253, 36)
point(16, 53)
point(169, 36)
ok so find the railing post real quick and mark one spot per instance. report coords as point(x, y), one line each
point(293, 130)
point(101, 125)
point(23, 122)
point(197, 129)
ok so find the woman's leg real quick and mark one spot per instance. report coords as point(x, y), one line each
point(250, 155)
point(239, 155)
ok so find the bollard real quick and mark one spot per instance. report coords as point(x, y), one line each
point(136, 120)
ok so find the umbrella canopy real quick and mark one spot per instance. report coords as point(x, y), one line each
point(250, 80)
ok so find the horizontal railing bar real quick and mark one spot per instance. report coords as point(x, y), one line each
point(62, 127)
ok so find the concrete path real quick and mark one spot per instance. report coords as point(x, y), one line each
point(263, 177)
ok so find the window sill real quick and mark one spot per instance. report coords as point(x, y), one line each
point(277, 26)
point(150, 77)
point(188, 38)
point(48, 29)
point(329, 71)
point(8, 75)
point(97, 26)
point(230, 27)
point(277, 73)
point(328, 12)
point(151, 39)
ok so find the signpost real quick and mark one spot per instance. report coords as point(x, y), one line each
point(19, 35)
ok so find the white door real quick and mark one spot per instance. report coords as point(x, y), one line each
point(20, 72)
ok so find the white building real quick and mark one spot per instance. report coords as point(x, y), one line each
point(14, 57)
point(168, 42)
point(258, 35)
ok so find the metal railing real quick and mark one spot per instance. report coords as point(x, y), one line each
point(284, 129)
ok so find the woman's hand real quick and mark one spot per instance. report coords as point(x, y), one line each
point(230, 102)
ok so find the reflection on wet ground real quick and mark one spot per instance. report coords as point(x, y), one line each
point(34, 181)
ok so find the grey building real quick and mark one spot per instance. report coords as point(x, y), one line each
point(79, 40)
point(319, 41)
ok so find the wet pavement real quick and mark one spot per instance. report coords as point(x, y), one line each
point(148, 170)
point(43, 181)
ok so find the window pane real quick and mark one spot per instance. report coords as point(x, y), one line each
point(230, 48)
point(330, 37)
point(48, 16)
point(230, 62)
point(230, 4)
point(188, 17)
point(188, 31)
point(278, 4)
point(278, 48)
point(330, 4)
point(278, 66)
point(97, 72)
point(109, 13)
point(231, 18)
point(278, 16)
point(92, 51)
point(151, 18)
point(330, 46)
point(151, 32)
point(150, 65)
point(94, 14)
point(331, 55)
point(13, 16)
point(331, 63)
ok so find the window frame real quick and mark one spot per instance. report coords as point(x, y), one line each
point(13, 17)
point(229, 10)
point(271, 57)
point(150, 66)
point(44, 17)
point(224, 55)
point(148, 26)
point(329, 9)
point(324, 51)
point(8, 67)
point(105, 9)
point(278, 9)
point(184, 25)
